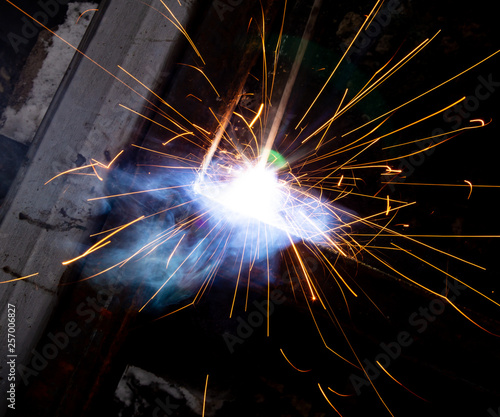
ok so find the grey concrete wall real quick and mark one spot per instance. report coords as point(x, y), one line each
point(45, 225)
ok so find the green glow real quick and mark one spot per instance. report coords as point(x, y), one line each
point(277, 160)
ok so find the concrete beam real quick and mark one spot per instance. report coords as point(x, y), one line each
point(44, 225)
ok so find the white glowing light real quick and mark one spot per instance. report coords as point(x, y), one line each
point(254, 192)
point(239, 193)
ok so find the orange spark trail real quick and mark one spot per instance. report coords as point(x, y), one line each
point(423, 94)
point(86, 11)
point(138, 192)
point(184, 32)
point(179, 267)
point(395, 380)
point(291, 364)
point(239, 271)
point(204, 75)
point(92, 165)
point(259, 112)
point(177, 135)
point(336, 237)
point(329, 402)
point(446, 299)
point(205, 397)
point(278, 117)
point(103, 242)
point(19, 279)
point(446, 273)
point(470, 184)
point(339, 394)
point(304, 270)
point(430, 184)
point(368, 18)
point(178, 25)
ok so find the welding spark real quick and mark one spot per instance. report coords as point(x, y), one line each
point(253, 193)
point(252, 196)
point(86, 11)
point(19, 279)
point(205, 397)
point(399, 383)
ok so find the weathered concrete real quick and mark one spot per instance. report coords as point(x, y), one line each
point(44, 225)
